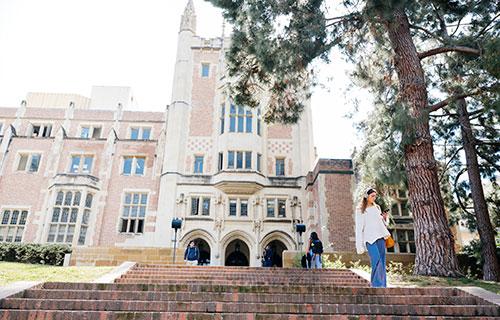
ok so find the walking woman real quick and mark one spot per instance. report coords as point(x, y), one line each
point(371, 233)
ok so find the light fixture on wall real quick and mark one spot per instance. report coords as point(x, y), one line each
point(176, 225)
point(300, 228)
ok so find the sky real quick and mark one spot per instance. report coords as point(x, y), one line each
point(67, 46)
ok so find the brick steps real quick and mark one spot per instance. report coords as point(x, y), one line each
point(244, 307)
point(111, 315)
point(243, 276)
point(246, 297)
point(240, 282)
point(293, 289)
point(174, 292)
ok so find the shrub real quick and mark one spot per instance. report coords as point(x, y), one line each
point(471, 260)
point(335, 263)
point(52, 254)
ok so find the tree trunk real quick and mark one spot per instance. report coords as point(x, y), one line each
point(434, 242)
point(491, 269)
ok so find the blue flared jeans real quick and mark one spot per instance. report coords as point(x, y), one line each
point(376, 251)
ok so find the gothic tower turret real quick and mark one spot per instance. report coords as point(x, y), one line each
point(177, 118)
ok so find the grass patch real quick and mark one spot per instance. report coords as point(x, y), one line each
point(399, 275)
point(421, 281)
point(13, 271)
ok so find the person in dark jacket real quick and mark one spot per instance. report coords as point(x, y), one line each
point(192, 254)
point(315, 250)
point(268, 256)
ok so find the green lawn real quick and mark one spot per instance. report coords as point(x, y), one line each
point(12, 271)
point(420, 281)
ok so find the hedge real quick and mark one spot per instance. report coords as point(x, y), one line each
point(52, 254)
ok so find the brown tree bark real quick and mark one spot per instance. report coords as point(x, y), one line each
point(491, 268)
point(434, 242)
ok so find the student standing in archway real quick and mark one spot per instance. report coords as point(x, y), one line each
point(192, 254)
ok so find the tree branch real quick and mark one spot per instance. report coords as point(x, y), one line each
point(451, 99)
point(491, 143)
point(488, 159)
point(487, 25)
point(444, 49)
point(350, 15)
point(432, 35)
point(458, 26)
point(448, 163)
point(455, 186)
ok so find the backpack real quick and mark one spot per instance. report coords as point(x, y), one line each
point(317, 247)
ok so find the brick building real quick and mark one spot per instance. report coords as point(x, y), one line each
point(87, 172)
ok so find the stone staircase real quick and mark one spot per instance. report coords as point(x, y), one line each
point(174, 292)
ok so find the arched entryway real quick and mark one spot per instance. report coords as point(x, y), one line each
point(277, 248)
point(204, 241)
point(237, 254)
point(204, 252)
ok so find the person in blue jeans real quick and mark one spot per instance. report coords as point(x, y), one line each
point(315, 250)
point(371, 232)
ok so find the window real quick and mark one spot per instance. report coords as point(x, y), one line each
point(401, 194)
point(230, 159)
point(205, 210)
point(81, 164)
point(248, 160)
point(238, 207)
point(243, 208)
point(259, 160)
point(259, 120)
point(140, 133)
point(198, 164)
point(404, 208)
point(405, 240)
point(96, 133)
point(281, 208)
point(87, 132)
point(12, 227)
point(239, 160)
point(133, 165)
point(134, 133)
point(400, 208)
point(271, 204)
point(200, 205)
point(248, 121)
point(232, 118)
point(222, 115)
point(40, 130)
point(29, 162)
point(280, 167)
point(221, 161)
point(195, 206)
point(70, 215)
point(134, 213)
point(233, 203)
point(276, 205)
point(241, 118)
point(205, 70)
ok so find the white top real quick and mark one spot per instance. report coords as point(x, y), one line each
point(370, 226)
